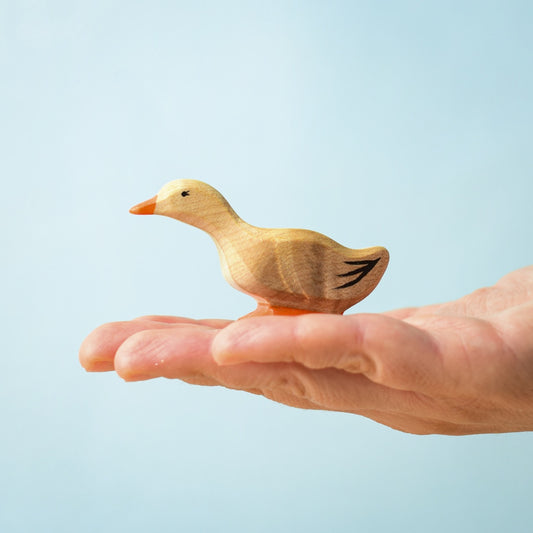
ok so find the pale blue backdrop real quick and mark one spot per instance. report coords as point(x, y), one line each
point(406, 124)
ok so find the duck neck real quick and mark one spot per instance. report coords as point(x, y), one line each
point(220, 224)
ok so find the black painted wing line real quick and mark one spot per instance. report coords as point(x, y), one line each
point(362, 271)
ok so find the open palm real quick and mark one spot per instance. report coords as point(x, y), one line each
point(456, 368)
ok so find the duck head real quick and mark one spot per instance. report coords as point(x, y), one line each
point(190, 201)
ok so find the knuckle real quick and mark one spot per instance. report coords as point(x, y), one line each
point(293, 382)
point(301, 332)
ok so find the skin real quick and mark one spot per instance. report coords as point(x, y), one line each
point(461, 367)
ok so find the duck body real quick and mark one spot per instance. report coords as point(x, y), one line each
point(300, 269)
point(287, 271)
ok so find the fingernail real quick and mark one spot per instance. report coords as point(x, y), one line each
point(100, 366)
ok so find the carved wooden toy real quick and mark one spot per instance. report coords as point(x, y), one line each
point(288, 271)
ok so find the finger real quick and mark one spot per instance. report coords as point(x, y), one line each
point(167, 319)
point(97, 352)
point(387, 350)
point(402, 313)
point(186, 354)
point(332, 389)
point(166, 352)
point(316, 341)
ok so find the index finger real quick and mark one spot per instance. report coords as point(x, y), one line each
point(385, 349)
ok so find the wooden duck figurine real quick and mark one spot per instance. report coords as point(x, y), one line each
point(288, 271)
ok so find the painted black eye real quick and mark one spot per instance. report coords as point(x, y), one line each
point(185, 193)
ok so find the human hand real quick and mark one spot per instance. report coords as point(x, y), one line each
point(461, 367)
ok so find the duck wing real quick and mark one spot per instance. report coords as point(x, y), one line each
point(364, 267)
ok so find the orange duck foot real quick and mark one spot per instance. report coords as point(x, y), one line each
point(272, 310)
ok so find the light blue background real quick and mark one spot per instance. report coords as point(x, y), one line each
point(404, 124)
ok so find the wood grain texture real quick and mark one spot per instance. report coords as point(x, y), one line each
point(283, 269)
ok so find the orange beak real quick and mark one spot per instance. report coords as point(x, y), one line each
point(145, 208)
